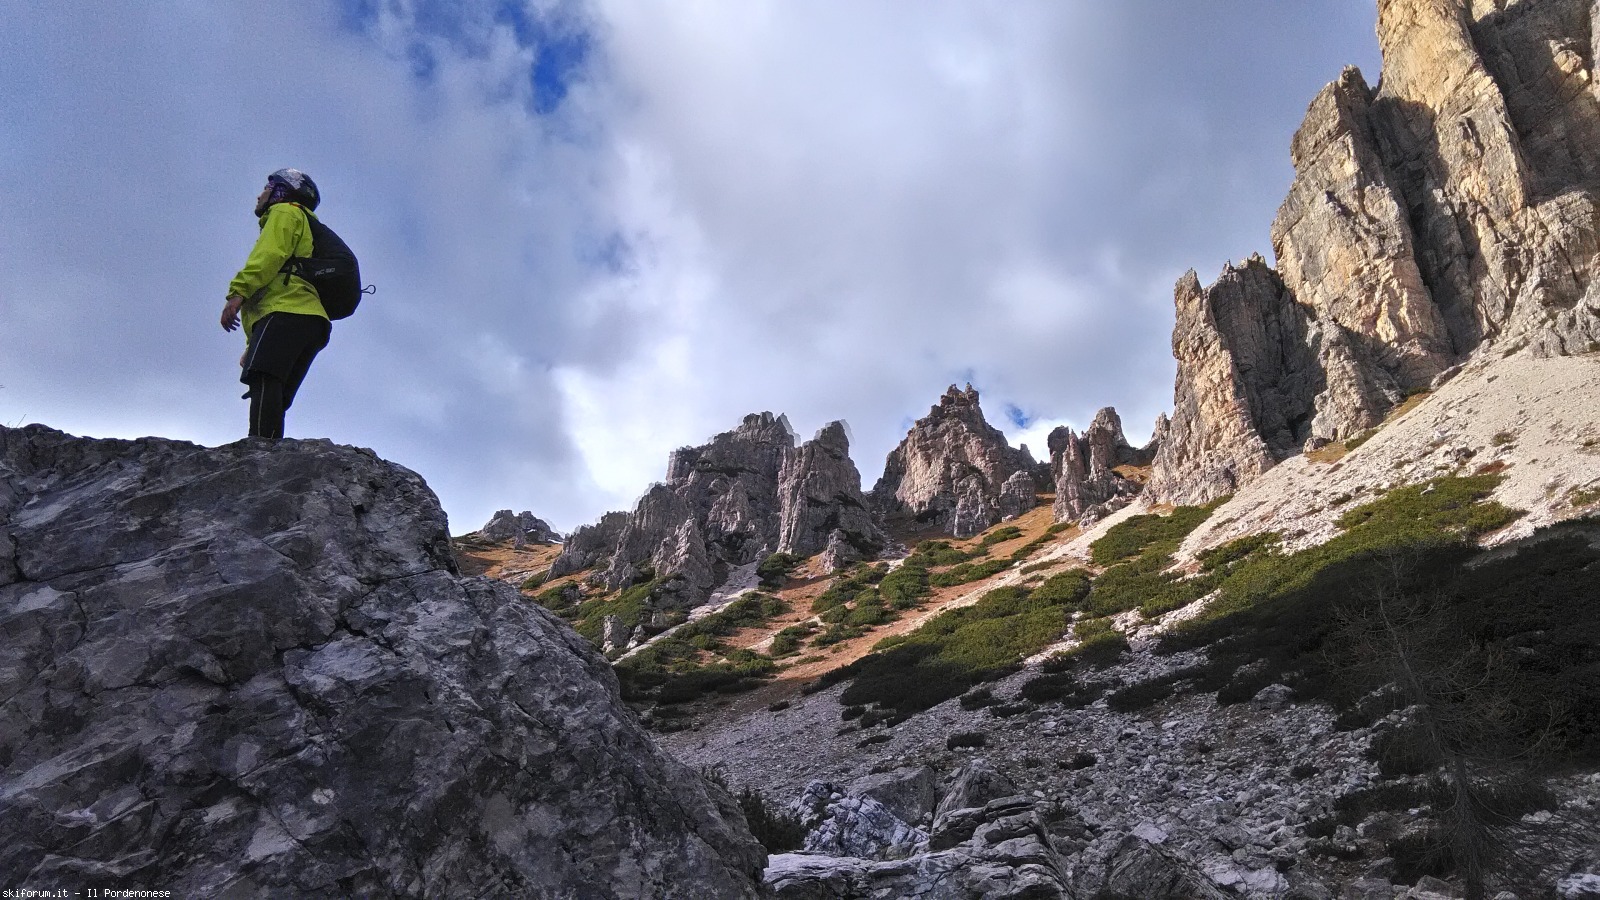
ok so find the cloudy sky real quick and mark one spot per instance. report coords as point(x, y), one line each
point(601, 229)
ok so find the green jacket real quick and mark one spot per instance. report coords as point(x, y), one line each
point(284, 233)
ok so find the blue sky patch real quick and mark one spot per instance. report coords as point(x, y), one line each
point(1017, 417)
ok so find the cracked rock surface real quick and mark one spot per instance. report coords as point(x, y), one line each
point(253, 671)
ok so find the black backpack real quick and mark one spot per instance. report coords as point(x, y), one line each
point(331, 269)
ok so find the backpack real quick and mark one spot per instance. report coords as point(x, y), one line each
point(331, 269)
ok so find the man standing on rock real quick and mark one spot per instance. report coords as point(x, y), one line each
point(285, 325)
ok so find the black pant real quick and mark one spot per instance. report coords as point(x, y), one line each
point(282, 346)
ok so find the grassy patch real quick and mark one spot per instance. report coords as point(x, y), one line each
point(1352, 443)
point(632, 605)
point(1068, 589)
point(1527, 618)
point(1149, 534)
point(954, 651)
point(692, 661)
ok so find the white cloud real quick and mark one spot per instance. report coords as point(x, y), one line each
point(826, 209)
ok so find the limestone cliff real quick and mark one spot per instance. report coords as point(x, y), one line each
point(952, 470)
point(1450, 209)
point(1083, 468)
point(520, 529)
point(747, 493)
point(253, 671)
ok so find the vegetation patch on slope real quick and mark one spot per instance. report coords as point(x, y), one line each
point(955, 650)
point(694, 661)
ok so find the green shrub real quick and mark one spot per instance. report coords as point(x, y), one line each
point(906, 586)
point(631, 606)
point(837, 633)
point(1099, 645)
point(1067, 588)
point(954, 651)
point(1057, 528)
point(1143, 534)
point(940, 553)
point(788, 640)
point(1235, 550)
point(1141, 695)
point(977, 698)
point(775, 569)
point(1027, 550)
point(1000, 535)
point(1144, 584)
point(966, 573)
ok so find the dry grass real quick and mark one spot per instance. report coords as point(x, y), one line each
point(505, 563)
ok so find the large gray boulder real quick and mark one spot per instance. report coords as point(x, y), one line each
point(253, 671)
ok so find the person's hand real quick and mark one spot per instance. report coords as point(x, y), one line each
point(230, 312)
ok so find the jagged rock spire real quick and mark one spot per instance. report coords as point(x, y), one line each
point(746, 493)
point(952, 469)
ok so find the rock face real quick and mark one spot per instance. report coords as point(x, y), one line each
point(954, 470)
point(1084, 468)
point(1452, 208)
point(253, 671)
point(748, 493)
point(519, 528)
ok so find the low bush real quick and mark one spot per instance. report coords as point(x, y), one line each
point(1067, 588)
point(632, 605)
point(1142, 695)
point(905, 586)
point(1062, 688)
point(1138, 535)
point(1000, 535)
point(778, 830)
point(1099, 645)
point(789, 639)
point(775, 569)
point(1238, 549)
point(965, 573)
point(955, 651)
point(1028, 549)
point(940, 553)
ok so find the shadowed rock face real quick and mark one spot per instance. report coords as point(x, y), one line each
point(952, 470)
point(254, 671)
point(1452, 208)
